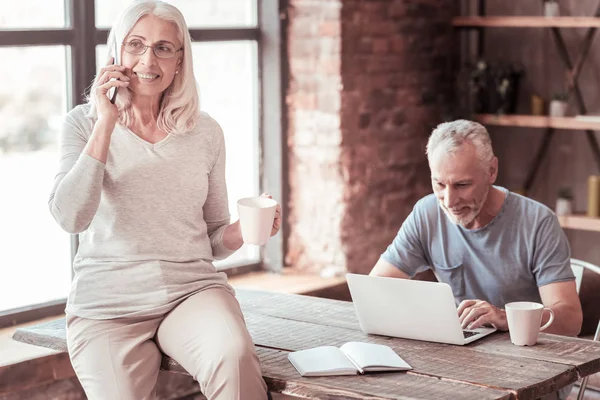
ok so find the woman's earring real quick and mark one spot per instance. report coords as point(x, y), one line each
point(176, 72)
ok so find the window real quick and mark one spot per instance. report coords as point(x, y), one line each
point(198, 14)
point(51, 66)
point(32, 103)
point(228, 78)
point(25, 14)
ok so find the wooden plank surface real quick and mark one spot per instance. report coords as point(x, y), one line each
point(284, 322)
point(525, 22)
point(527, 378)
point(281, 376)
point(302, 308)
point(51, 334)
point(582, 354)
point(393, 385)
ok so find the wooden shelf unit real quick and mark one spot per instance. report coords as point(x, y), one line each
point(525, 22)
point(580, 222)
point(538, 121)
point(479, 22)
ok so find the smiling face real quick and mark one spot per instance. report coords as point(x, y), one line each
point(461, 183)
point(150, 75)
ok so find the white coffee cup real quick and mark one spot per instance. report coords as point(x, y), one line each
point(256, 219)
point(524, 319)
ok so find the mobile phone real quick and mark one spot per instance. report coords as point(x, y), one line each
point(112, 92)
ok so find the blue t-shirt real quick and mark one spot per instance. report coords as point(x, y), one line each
point(521, 249)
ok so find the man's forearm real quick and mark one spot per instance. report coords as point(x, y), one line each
point(567, 319)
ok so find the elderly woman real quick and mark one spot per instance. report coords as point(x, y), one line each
point(143, 182)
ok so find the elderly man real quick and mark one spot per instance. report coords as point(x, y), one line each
point(490, 245)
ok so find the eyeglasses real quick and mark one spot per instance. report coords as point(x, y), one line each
point(161, 50)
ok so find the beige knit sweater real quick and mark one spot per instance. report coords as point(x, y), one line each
point(151, 220)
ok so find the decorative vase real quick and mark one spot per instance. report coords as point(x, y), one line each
point(593, 206)
point(564, 206)
point(558, 108)
point(551, 9)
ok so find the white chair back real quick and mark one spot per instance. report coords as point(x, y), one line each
point(578, 272)
point(578, 267)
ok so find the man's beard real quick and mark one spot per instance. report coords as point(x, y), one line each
point(472, 213)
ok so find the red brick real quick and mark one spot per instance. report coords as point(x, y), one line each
point(398, 44)
point(365, 45)
point(330, 66)
point(329, 28)
point(381, 28)
point(381, 45)
point(398, 9)
point(305, 101)
point(387, 63)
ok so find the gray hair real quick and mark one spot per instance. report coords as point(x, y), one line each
point(451, 135)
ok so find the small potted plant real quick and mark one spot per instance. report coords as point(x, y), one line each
point(564, 202)
point(558, 105)
point(551, 8)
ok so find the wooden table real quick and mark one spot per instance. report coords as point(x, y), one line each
point(490, 368)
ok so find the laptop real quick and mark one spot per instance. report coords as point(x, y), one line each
point(409, 309)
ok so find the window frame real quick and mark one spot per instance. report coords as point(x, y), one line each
point(81, 39)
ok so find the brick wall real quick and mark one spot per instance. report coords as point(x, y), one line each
point(315, 136)
point(368, 82)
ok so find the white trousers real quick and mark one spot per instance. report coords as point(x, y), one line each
point(119, 359)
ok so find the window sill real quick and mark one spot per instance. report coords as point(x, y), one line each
point(288, 281)
point(23, 365)
point(14, 352)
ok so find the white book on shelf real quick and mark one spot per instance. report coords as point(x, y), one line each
point(350, 359)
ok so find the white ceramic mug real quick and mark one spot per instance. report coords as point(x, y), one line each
point(524, 319)
point(256, 219)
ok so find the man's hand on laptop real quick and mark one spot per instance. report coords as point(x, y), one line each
point(475, 314)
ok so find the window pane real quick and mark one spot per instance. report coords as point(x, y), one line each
point(227, 73)
point(32, 14)
point(35, 260)
point(197, 13)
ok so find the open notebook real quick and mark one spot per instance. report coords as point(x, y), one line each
point(350, 359)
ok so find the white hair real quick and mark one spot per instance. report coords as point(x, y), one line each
point(180, 104)
point(449, 136)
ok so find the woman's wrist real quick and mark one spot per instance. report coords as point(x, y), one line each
point(232, 237)
point(106, 123)
point(97, 146)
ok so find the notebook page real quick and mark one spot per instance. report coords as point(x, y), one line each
point(322, 361)
point(374, 357)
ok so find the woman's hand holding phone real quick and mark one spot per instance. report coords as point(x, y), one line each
point(110, 76)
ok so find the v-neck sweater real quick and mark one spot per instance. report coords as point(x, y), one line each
point(150, 221)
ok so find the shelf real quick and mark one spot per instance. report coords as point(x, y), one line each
point(526, 22)
point(580, 222)
point(537, 121)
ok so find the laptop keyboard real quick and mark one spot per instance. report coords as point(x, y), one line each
point(468, 334)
